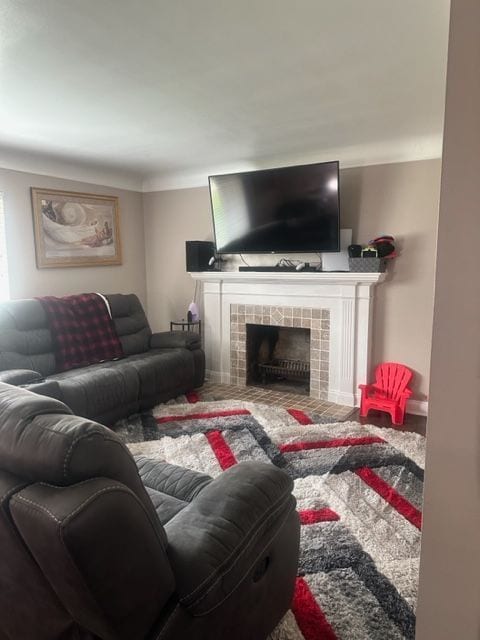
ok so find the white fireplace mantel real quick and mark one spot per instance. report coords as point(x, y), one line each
point(296, 277)
point(347, 295)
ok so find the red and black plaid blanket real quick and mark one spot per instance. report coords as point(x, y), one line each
point(82, 330)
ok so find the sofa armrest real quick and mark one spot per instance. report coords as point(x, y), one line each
point(175, 339)
point(96, 546)
point(20, 376)
point(225, 534)
point(371, 389)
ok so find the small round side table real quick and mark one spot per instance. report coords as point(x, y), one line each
point(194, 325)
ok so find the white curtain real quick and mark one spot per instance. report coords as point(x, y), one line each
point(4, 286)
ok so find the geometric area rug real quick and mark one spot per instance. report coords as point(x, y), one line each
point(359, 496)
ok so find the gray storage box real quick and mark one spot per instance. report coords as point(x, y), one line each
point(367, 265)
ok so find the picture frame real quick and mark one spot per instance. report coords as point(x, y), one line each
point(74, 229)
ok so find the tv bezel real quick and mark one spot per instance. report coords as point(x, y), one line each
point(280, 251)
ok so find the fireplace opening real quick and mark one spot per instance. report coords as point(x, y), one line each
point(278, 358)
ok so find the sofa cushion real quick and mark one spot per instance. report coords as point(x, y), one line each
point(171, 488)
point(170, 479)
point(94, 390)
point(160, 370)
point(49, 388)
point(166, 506)
point(25, 339)
point(130, 322)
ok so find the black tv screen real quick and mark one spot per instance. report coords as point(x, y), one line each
point(283, 210)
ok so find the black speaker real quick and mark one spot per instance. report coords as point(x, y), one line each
point(198, 254)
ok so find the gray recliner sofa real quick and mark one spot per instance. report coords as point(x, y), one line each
point(98, 545)
point(156, 367)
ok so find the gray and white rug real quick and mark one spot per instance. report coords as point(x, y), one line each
point(359, 495)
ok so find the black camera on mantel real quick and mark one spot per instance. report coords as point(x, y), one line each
point(355, 251)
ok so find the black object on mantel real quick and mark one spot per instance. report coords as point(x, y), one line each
point(281, 269)
point(355, 251)
point(198, 254)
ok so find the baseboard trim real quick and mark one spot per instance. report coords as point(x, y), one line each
point(417, 407)
point(215, 377)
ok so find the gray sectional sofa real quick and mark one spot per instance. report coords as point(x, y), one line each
point(156, 366)
point(97, 545)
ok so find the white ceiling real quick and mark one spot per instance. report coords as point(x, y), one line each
point(161, 92)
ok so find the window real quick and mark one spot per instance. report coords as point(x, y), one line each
point(4, 286)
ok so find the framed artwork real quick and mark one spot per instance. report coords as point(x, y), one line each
point(75, 229)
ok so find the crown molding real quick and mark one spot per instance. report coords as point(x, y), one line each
point(46, 165)
point(394, 151)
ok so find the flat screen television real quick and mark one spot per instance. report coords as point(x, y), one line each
point(283, 210)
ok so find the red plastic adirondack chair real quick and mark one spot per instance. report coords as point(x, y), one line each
point(389, 391)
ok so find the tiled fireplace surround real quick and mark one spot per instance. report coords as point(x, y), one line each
point(336, 307)
point(317, 320)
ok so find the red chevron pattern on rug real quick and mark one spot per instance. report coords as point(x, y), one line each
point(358, 491)
point(221, 449)
point(392, 496)
point(310, 618)
point(326, 444)
point(312, 516)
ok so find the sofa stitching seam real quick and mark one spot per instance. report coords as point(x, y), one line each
point(70, 515)
point(78, 508)
point(69, 451)
point(39, 507)
point(67, 486)
point(87, 435)
point(129, 492)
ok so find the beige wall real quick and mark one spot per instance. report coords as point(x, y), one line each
point(400, 199)
point(27, 281)
point(449, 603)
point(171, 217)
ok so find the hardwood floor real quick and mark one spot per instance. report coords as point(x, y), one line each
point(209, 391)
point(416, 424)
